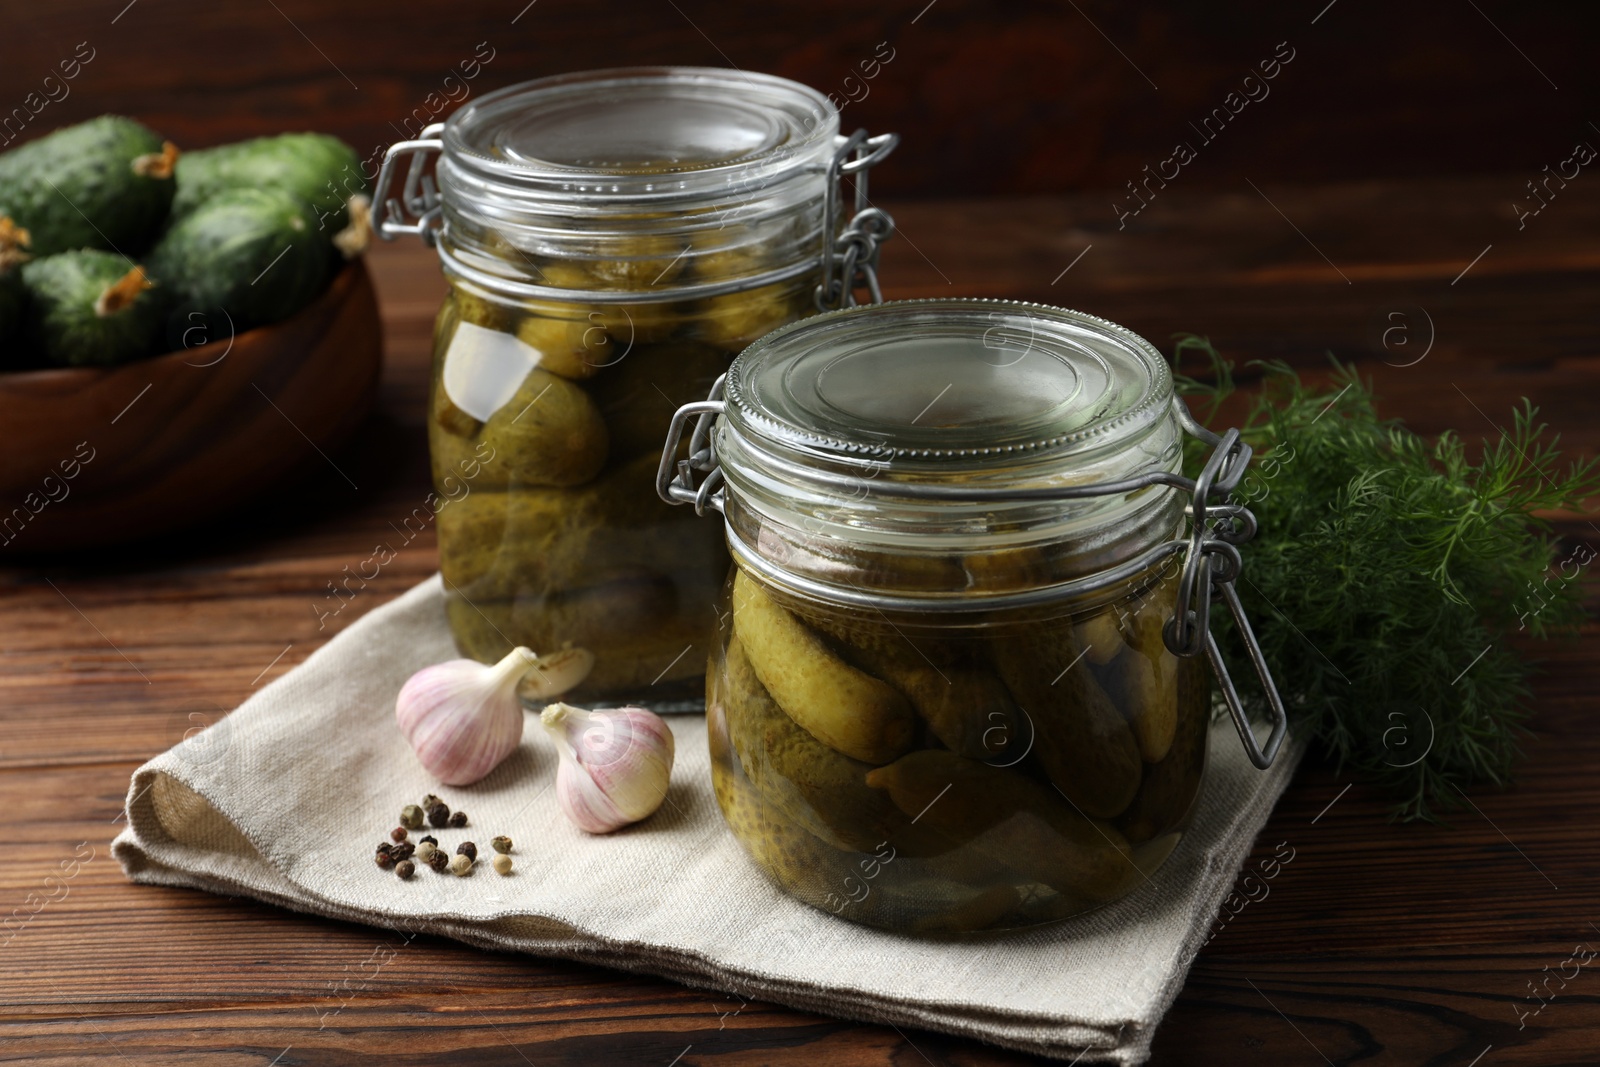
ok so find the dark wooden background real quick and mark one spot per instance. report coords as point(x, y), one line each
point(1378, 180)
point(1005, 96)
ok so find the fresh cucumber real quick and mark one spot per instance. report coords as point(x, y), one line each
point(251, 256)
point(90, 307)
point(319, 169)
point(106, 183)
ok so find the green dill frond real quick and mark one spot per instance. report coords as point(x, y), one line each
point(1390, 572)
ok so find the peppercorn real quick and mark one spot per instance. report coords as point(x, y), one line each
point(398, 834)
point(467, 849)
point(405, 869)
point(458, 820)
point(437, 860)
point(460, 865)
point(502, 863)
point(424, 850)
point(429, 801)
point(385, 860)
point(411, 817)
point(403, 851)
point(384, 846)
point(429, 840)
point(439, 815)
point(501, 844)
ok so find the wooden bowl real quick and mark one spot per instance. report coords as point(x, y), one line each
point(92, 456)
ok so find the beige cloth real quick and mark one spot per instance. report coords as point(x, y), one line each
point(284, 800)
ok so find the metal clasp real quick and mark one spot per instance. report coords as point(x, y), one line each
point(675, 477)
point(419, 199)
point(850, 260)
point(1211, 564)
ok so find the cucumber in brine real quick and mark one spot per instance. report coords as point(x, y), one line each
point(319, 169)
point(90, 307)
point(105, 183)
point(253, 254)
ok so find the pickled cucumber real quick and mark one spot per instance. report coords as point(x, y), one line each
point(497, 546)
point(735, 320)
point(549, 434)
point(1080, 737)
point(654, 261)
point(572, 348)
point(638, 396)
point(106, 184)
point(1169, 788)
point(967, 708)
point(1011, 819)
point(1100, 637)
point(90, 308)
point(842, 707)
point(476, 309)
point(1145, 679)
point(638, 621)
point(806, 781)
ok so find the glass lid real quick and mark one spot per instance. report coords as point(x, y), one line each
point(949, 384)
point(637, 125)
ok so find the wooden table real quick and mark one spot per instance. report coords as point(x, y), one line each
point(1379, 943)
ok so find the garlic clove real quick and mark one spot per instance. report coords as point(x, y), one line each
point(616, 764)
point(555, 673)
point(463, 717)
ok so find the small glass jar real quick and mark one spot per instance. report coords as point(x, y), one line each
point(612, 239)
point(948, 693)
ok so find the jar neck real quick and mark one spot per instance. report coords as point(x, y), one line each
point(838, 530)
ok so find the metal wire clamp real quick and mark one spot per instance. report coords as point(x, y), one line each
point(1210, 553)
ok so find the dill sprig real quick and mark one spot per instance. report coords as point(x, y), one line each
point(1390, 575)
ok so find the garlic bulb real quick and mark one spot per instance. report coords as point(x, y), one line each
point(616, 764)
point(463, 718)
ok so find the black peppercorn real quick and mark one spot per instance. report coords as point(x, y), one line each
point(429, 840)
point(385, 860)
point(405, 868)
point(403, 851)
point(467, 849)
point(458, 820)
point(501, 844)
point(439, 815)
point(384, 846)
point(397, 834)
point(438, 860)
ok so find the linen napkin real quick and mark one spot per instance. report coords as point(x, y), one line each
point(284, 800)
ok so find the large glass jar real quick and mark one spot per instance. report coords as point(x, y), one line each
point(945, 695)
point(611, 239)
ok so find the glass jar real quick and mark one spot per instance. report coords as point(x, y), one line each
point(612, 239)
point(957, 683)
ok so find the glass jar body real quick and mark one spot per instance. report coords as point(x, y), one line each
point(545, 423)
point(1010, 768)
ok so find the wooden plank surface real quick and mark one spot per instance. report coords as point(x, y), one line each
point(1378, 943)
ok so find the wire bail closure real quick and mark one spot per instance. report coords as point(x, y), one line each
point(419, 201)
point(850, 260)
point(1211, 559)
